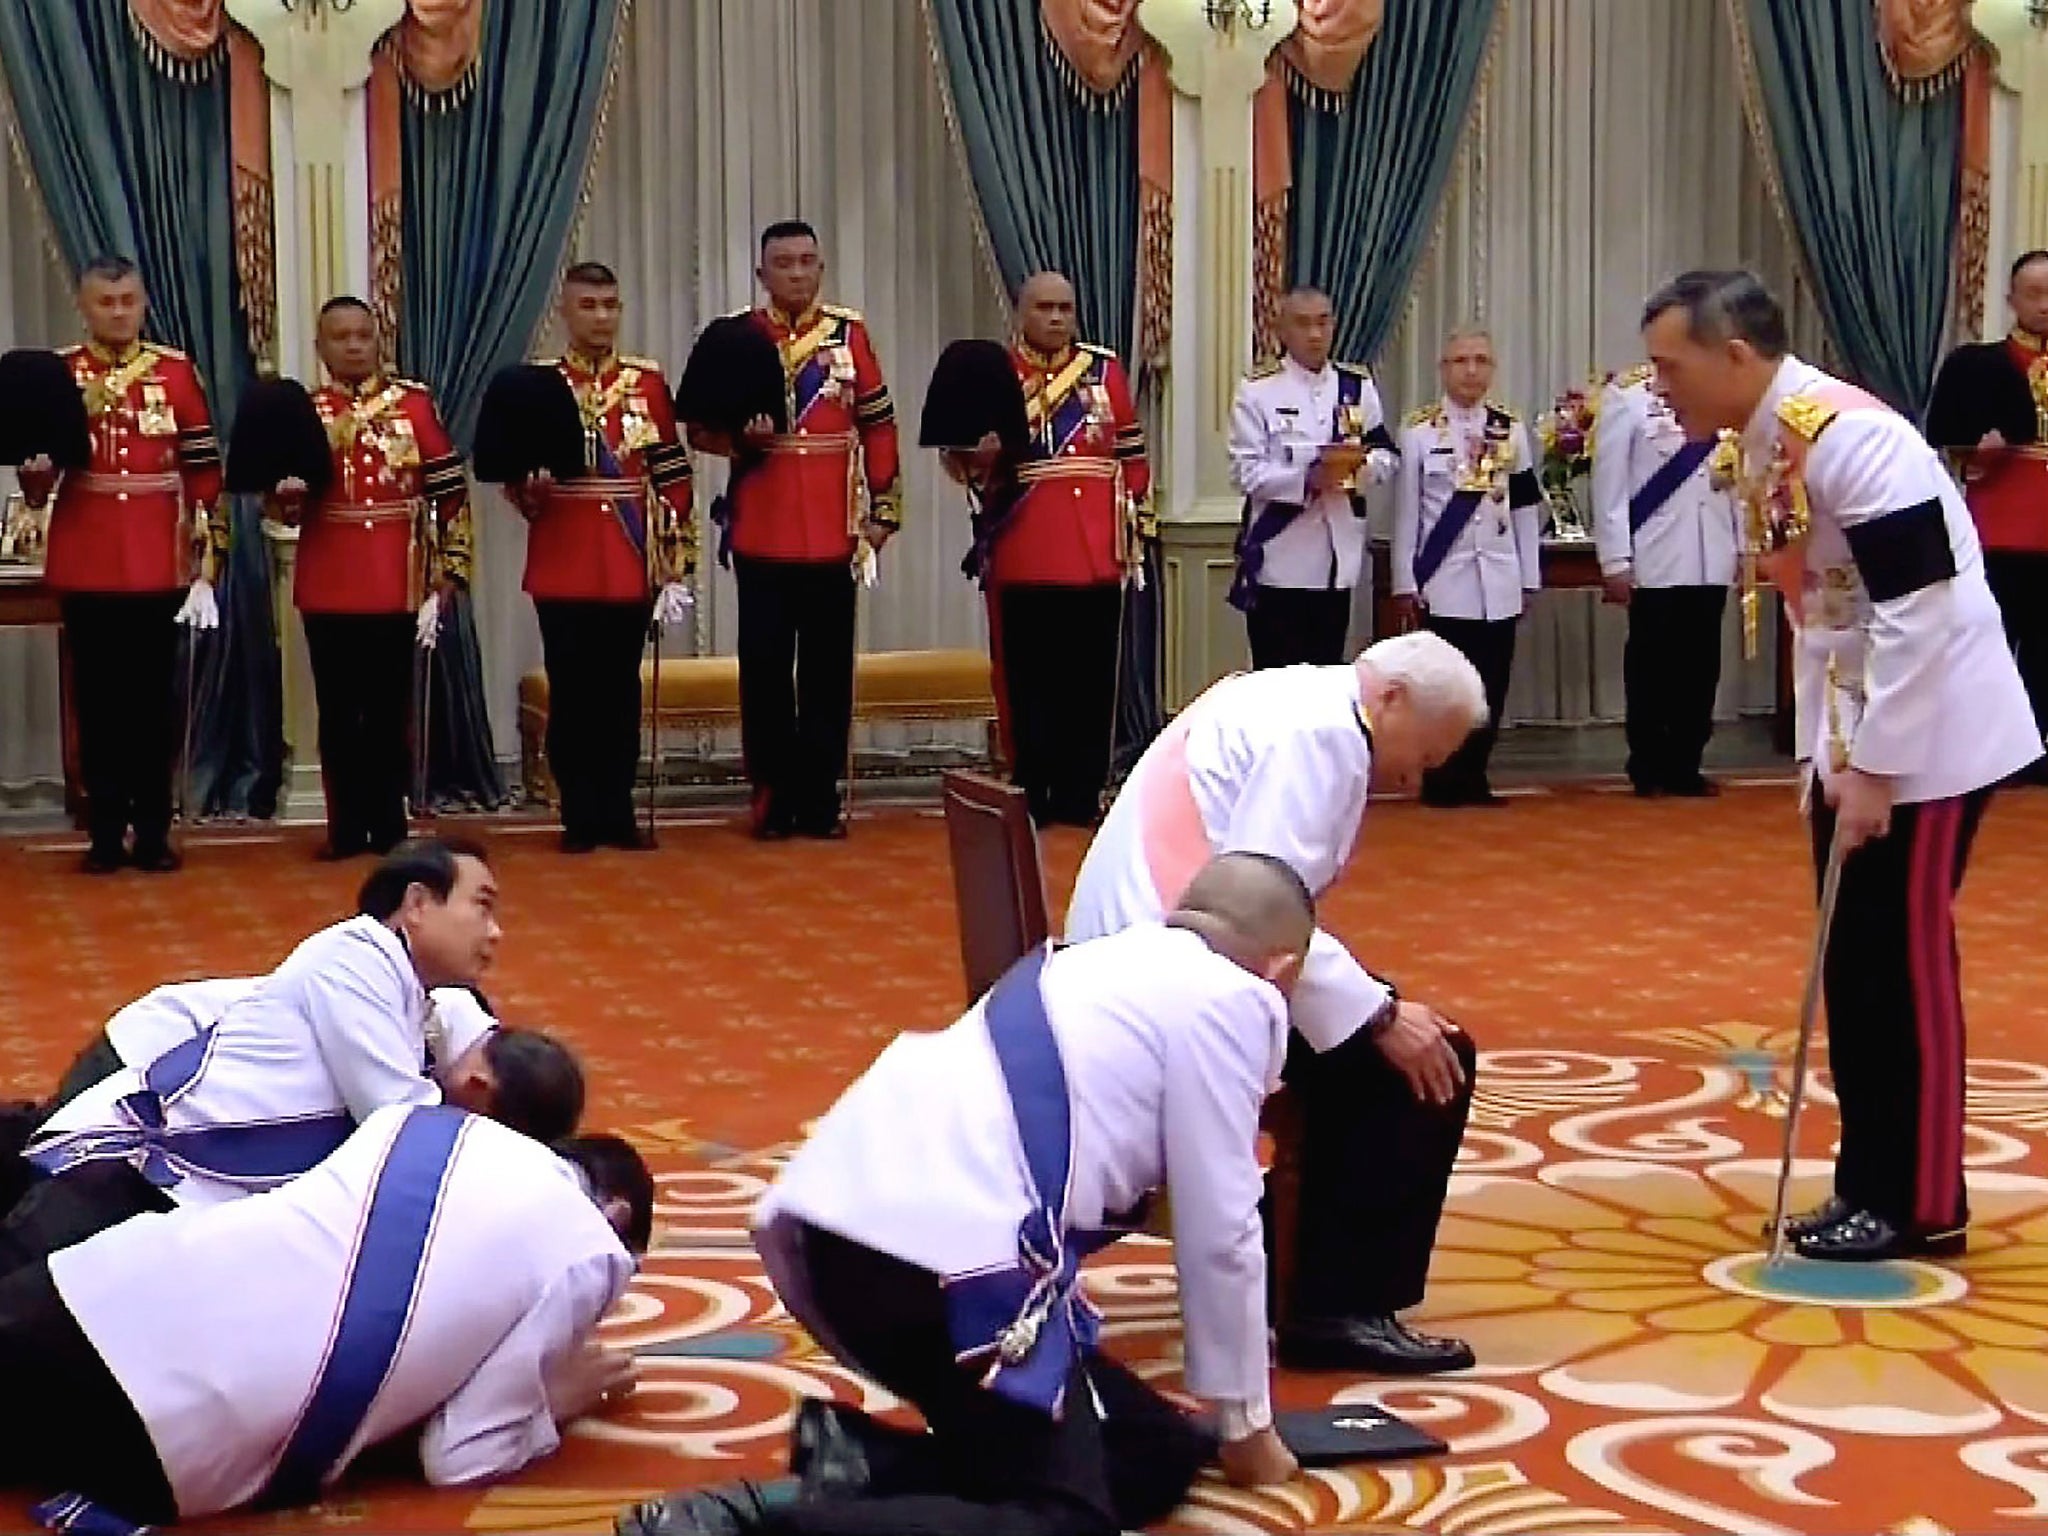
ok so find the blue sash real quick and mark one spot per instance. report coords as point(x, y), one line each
point(632, 515)
point(383, 1278)
point(1455, 518)
point(1069, 416)
point(991, 515)
point(1661, 486)
point(260, 1154)
point(1255, 533)
point(743, 464)
point(1030, 1322)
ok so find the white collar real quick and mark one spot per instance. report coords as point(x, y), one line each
point(1459, 412)
point(1302, 375)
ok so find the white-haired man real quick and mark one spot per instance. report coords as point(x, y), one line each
point(1281, 762)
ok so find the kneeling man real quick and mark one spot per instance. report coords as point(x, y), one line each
point(929, 1236)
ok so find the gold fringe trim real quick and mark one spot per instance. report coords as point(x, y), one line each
point(256, 261)
point(1972, 256)
point(39, 209)
point(450, 98)
point(622, 23)
point(186, 71)
point(982, 238)
point(387, 270)
point(1104, 101)
point(1758, 119)
point(1155, 276)
point(1308, 91)
point(1918, 88)
point(1471, 146)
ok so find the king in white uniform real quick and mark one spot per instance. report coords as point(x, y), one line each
point(1910, 711)
point(929, 1232)
point(1282, 763)
point(436, 1274)
point(1466, 548)
point(1307, 436)
point(1666, 537)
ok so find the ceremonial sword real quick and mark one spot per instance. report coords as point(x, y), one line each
point(1809, 1013)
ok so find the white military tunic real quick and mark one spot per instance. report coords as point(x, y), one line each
point(1275, 762)
point(339, 1029)
point(518, 1267)
point(1279, 422)
point(1168, 1049)
point(173, 1013)
point(1498, 555)
point(1692, 539)
point(1924, 689)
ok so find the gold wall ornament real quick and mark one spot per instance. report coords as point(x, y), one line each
point(1925, 43)
point(180, 37)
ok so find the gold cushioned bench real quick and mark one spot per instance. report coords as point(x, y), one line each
point(703, 693)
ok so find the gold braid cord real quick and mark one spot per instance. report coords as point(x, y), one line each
point(1155, 274)
point(387, 268)
point(256, 260)
point(1269, 272)
point(1973, 253)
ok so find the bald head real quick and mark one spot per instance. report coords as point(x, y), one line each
point(1046, 312)
point(1253, 909)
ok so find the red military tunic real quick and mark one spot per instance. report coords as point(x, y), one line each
point(128, 523)
point(802, 500)
point(1085, 479)
point(2008, 493)
point(589, 542)
point(365, 546)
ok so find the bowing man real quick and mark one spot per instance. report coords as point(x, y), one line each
point(1281, 762)
point(1039, 1124)
point(437, 1276)
point(341, 1029)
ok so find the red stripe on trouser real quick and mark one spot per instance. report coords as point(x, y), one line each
point(1937, 1011)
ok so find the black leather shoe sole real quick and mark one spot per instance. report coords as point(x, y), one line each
point(1335, 1354)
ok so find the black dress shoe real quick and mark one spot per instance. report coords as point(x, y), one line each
point(1826, 1214)
point(332, 852)
point(578, 842)
point(823, 830)
point(1698, 787)
point(156, 859)
point(731, 1509)
point(1863, 1237)
point(102, 861)
point(632, 840)
point(1383, 1345)
point(1648, 791)
point(825, 1452)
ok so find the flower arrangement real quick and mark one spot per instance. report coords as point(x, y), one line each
point(1566, 432)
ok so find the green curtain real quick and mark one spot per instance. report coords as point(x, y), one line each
point(1055, 172)
point(131, 162)
point(1871, 183)
point(1055, 169)
point(1369, 173)
point(491, 191)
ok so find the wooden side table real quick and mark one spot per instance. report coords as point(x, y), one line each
point(27, 603)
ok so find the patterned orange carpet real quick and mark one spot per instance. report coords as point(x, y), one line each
point(1631, 971)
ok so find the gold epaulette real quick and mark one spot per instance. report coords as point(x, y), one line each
point(1359, 369)
point(545, 362)
point(72, 350)
point(1806, 416)
point(1424, 416)
point(410, 384)
point(1264, 370)
point(163, 351)
point(1642, 373)
point(839, 312)
point(644, 364)
point(1093, 349)
point(1497, 409)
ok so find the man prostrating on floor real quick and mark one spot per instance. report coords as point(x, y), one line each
point(342, 1028)
point(1281, 762)
point(438, 1275)
point(929, 1236)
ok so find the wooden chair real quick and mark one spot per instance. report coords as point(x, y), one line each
point(999, 898)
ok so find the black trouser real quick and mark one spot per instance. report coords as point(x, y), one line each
point(73, 1429)
point(1287, 625)
point(1893, 984)
point(124, 654)
point(796, 684)
point(1375, 1167)
point(362, 679)
point(93, 1065)
point(592, 652)
point(1056, 654)
point(1671, 670)
point(21, 1119)
point(989, 1467)
point(77, 1204)
point(2019, 580)
point(1489, 644)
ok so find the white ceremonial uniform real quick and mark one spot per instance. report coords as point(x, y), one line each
point(1924, 689)
point(1498, 556)
point(1277, 762)
point(339, 1030)
point(517, 1268)
point(1691, 540)
point(175, 1012)
point(1168, 1048)
point(1281, 419)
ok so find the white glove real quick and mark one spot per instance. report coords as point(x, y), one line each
point(674, 604)
point(200, 610)
point(428, 629)
point(867, 570)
